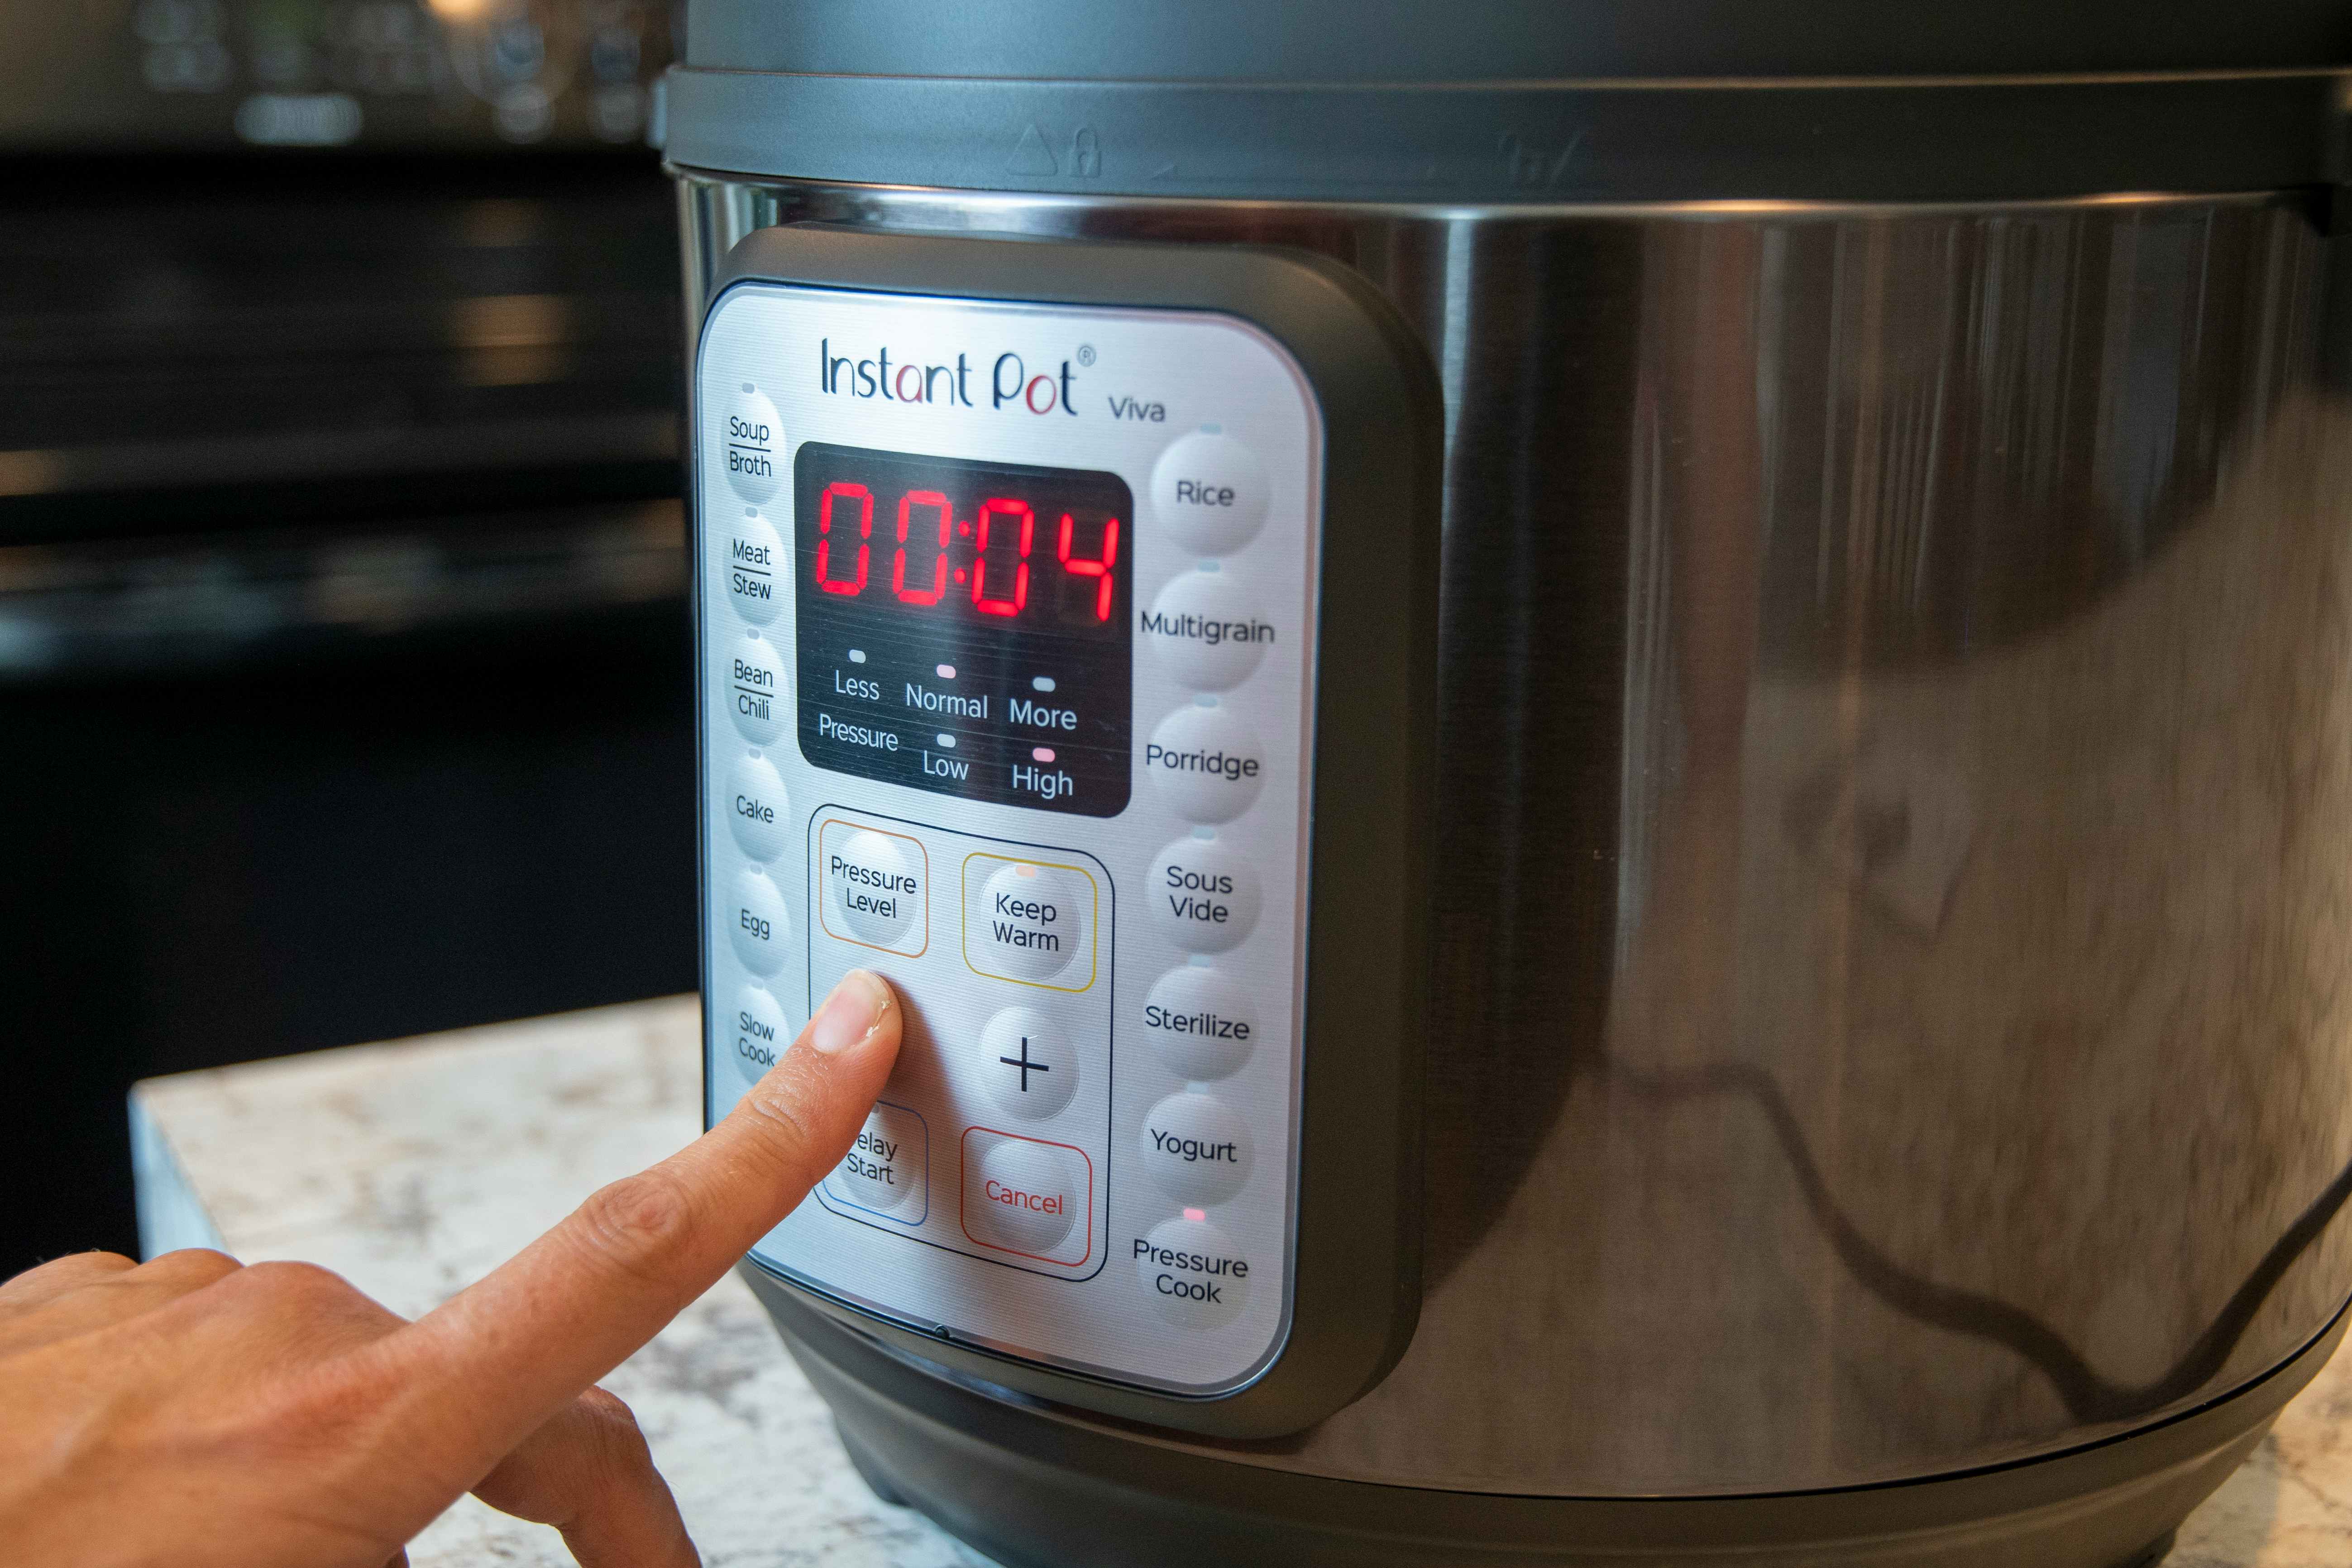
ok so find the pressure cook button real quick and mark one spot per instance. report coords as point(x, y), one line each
point(877, 886)
point(1203, 894)
point(755, 567)
point(889, 1165)
point(756, 922)
point(759, 1033)
point(1207, 761)
point(1028, 921)
point(1209, 494)
point(1205, 629)
point(1200, 1023)
point(1195, 1149)
point(1027, 1063)
point(1024, 1195)
point(756, 809)
point(755, 678)
point(754, 444)
point(1192, 1272)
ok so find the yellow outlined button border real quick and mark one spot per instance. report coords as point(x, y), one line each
point(1094, 919)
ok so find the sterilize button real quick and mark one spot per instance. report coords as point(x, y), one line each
point(755, 688)
point(756, 922)
point(877, 886)
point(888, 1165)
point(1030, 922)
point(756, 809)
point(754, 440)
point(1195, 1149)
point(1209, 492)
point(1206, 760)
point(758, 1033)
point(1205, 627)
point(1192, 1272)
point(1025, 1196)
point(1027, 1062)
point(755, 567)
point(1200, 1023)
point(1203, 894)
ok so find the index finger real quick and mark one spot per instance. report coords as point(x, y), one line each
point(575, 1303)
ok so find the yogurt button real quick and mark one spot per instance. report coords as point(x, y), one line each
point(1027, 1063)
point(888, 1165)
point(1030, 923)
point(1192, 1273)
point(755, 679)
point(1204, 626)
point(1207, 761)
point(1209, 492)
point(757, 1035)
point(754, 441)
point(756, 923)
point(1021, 1194)
point(756, 809)
point(1199, 1023)
point(1203, 894)
point(755, 567)
point(874, 886)
point(1195, 1149)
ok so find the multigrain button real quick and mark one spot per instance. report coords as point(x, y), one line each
point(1195, 1149)
point(1209, 492)
point(1207, 761)
point(888, 1166)
point(758, 1032)
point(756, 809)
point(1205, 628)
point(755, 567)
point(755, 678)
point(755, 441)
point(1025, 1195)
point(1203, 894)
point(1199, 1023)
point(876, 887)
point(1027, 921)
point(1191, 1272)
point(756, 922)
point(1027, 1063)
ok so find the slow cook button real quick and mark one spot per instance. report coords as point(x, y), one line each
point(1024, 1195)
point(755, 679)
point(1199, 1023)
point(754, 442)
point(1203, 894)
point(759, 1033)
point(755, 557)
point(1027, 921)
point(1206, 762)
point(1027, 1062)
point(1205, 629)
point(1192, 1271)
point(877, 886)
point(1209, 492)
point(756, 809)
point(889, 1164)
point(1195, 1149)
point(756, 922)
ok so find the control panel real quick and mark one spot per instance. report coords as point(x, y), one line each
point(1008, 651)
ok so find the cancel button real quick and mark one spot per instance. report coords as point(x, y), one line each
point(1192, 1273)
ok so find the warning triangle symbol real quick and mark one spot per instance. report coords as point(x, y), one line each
point(1032, 156)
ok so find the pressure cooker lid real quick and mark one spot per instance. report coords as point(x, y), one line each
point(1519, 101)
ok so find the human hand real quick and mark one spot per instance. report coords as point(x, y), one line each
point(195, 1413)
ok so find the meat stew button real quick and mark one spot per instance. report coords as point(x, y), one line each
point(755, 567)
point(1195, 1149)
point(1192, 1271)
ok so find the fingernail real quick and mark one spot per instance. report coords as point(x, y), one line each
point(851, 1012)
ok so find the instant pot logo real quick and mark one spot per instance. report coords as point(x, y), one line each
point(1011, 382)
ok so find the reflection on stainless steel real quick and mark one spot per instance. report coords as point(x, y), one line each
point(1896, 830)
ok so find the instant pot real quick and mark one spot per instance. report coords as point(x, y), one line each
point(1607, 753)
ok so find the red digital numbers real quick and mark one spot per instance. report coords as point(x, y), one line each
point(1001, 532)
point(989, 509)
point(938, 590)
point(1098, 568)
point(865, 498)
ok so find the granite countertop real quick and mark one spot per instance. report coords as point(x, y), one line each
point(414, 1167)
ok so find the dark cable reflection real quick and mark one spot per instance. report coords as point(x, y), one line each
point(2089, 1398)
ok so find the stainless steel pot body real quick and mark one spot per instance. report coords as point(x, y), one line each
point(1894, 838)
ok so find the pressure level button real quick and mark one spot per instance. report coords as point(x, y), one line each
point(756, 807)
point(756, 564)
point(1207, 761)
point(1205, 628)
point(1195, 1149)
point(753, 444)
point(1191, 1272)
point(1203, 894)
point(1209, 492)
point(876, 888)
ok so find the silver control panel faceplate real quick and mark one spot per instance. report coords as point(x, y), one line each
point(1086, 1156)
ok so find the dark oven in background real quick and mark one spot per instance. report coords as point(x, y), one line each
point(344, 663)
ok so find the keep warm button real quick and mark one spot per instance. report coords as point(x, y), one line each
point(1028, 1196)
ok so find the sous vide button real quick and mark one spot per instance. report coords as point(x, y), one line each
point(1203, 894)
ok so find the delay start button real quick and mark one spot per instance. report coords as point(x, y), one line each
point(1029, 921)
point(1026, 1195)
point(889, 1168)
point(1191, 1272)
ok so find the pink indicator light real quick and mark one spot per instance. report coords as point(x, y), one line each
point(946, 672)
point(1043, 754)
point(1196, 1215)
